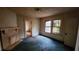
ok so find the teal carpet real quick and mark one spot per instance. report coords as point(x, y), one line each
point(40, 43)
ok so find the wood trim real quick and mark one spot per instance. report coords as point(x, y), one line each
point(15, 32)
point(13, 45)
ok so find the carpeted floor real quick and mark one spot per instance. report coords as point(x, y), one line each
point(40, 43)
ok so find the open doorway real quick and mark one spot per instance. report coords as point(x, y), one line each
point(28, 28)
point(0, 45)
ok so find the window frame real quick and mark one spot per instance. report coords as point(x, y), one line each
point(56, 26)
point(47, 26)
point(51, 31)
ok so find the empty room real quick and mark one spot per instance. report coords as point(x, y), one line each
point(39, 29)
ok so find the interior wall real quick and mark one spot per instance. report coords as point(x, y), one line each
point(32, 24)
point(35, 26)
point(42, 29)
point(64, 17)
point(77, 41)
point(7, 18)
point(0, 45)
point(28, 26)
point(21, 20)
point(21, 25)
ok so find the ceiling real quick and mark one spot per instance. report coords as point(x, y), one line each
point(40, 12)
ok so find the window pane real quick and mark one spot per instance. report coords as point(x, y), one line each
point(56, 30)
point(56, 22)
point(48, 23)
point(56, 26)
point(48, 29)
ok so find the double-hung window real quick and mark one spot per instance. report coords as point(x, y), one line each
point(53, 26)
point(56, 26)
point(48, 26)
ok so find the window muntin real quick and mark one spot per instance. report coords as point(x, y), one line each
point(53, 27)
point(56, 26)
point(48, 26)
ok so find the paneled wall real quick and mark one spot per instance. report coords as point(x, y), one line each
point(8, 21)
point(21, 25)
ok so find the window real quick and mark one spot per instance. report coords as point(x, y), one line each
point(56, 26)
point(48, 26)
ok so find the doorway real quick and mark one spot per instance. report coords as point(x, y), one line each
point(70, 32)
point(28, 28)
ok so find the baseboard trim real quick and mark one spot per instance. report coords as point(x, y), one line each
point(52, 38)
point(12, 46)
point(58, 41)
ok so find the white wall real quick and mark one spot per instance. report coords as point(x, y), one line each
point(35, 27)
point(20, 24)
point(0, 45)
point(7, 18)
point(77, 42)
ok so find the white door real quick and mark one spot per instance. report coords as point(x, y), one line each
point(70, 35)
point(0, 45)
